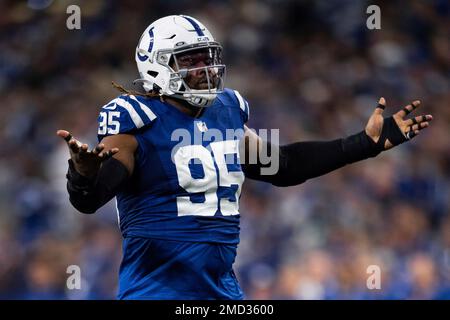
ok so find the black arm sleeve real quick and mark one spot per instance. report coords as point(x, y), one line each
point(87, 195)
point(301, 161)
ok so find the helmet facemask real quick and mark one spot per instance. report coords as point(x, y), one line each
point(197, 73)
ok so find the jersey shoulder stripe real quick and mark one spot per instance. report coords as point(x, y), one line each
point(123, 115)
point(132, 112)
point(233, 97)
point(148, 112)
point(243, 104)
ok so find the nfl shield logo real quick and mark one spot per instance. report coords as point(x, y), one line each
point(201, 126)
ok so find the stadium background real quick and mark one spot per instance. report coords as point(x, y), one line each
point(310, 68)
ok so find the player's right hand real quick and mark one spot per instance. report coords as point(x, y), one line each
point(86, 162)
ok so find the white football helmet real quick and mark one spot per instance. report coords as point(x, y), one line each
point(158, 52)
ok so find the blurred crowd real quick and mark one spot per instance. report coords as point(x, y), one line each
point(310, 68)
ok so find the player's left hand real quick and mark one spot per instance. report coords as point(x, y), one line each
point(392, 131)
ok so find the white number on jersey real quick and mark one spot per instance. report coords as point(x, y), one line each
point(209, 183)
point(108, 124)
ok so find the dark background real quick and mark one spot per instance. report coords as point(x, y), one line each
point(311, 69)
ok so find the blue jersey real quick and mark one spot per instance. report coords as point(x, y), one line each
point(174, 270)
point(187, 178)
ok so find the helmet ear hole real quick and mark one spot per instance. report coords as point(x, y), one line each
point(153, 74)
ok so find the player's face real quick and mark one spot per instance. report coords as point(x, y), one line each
point(200, 61)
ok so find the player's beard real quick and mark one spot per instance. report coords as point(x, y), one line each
point(201, 83)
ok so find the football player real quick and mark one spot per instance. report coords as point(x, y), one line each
point(164, 154)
